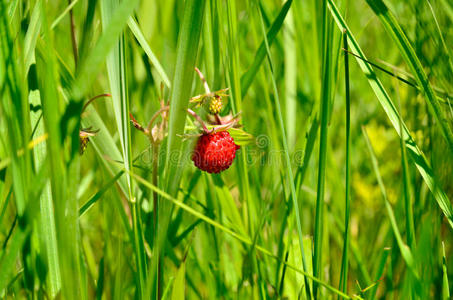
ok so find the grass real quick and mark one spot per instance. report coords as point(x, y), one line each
point(341, 188)
point(347, 206)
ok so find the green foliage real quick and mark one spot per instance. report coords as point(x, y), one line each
point(341, 188)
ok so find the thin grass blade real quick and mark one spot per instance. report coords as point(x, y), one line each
point(324, 120)
point(117, 73)
point(249, 75)
point(445, 285)
point(405, 251)
point(344, 261)
point(133, 26)
point(407, 51)
point(414, 151)
point(289, 172)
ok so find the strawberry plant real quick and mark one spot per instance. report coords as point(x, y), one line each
point(245, 149)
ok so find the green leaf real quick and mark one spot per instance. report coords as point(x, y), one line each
point(241, 137)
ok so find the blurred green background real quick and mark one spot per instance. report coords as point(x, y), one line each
point(130, 219)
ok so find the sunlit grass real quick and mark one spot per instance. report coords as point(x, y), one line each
point(341, 187)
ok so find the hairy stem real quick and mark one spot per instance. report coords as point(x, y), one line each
point(73, 36)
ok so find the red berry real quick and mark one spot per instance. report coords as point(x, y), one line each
point(214, 152)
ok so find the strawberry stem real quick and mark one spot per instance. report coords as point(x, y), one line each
point(94, 98)
point(219, 121)
point(164, 108)
point(205, 84)
point(197, 117)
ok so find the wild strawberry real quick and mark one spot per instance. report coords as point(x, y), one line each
point(214, 152)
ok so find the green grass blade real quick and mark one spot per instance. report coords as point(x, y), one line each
point(186, 56)
point(19, 235)
point(211, 41)
point(414, 151)
point(289, 172)
point(405, 251)
point(104, 144)
point(8, 258)
point(63, 14)
point(289, 36)
point(236, 105)
point(179, 283)
point(406, 78)
point(447, 51)
point(64, 201)
point(324, 120)
point(117, 73)
point(100, 281)
point(379, 272)
point(31, 35)
point(448, 8)
point(167, 288)
point(240, 233)
point(16, 131)
point(133, 26)
point(249, 75)
point(99, 194)
point(445, 285)
point(187, 50)
point(12, 7)
point(243, 239)
point(91, 66)
point(407, 51)
point(116, 67)
point(410, 231)
point(344, 261)
point(8, 193)
point(311, 135)
point(47, 222)
point(15, 112)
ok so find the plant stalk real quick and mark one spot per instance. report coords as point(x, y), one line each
point(344, 263)
point(73, 36)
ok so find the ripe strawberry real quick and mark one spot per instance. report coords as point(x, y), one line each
point(214, 152)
